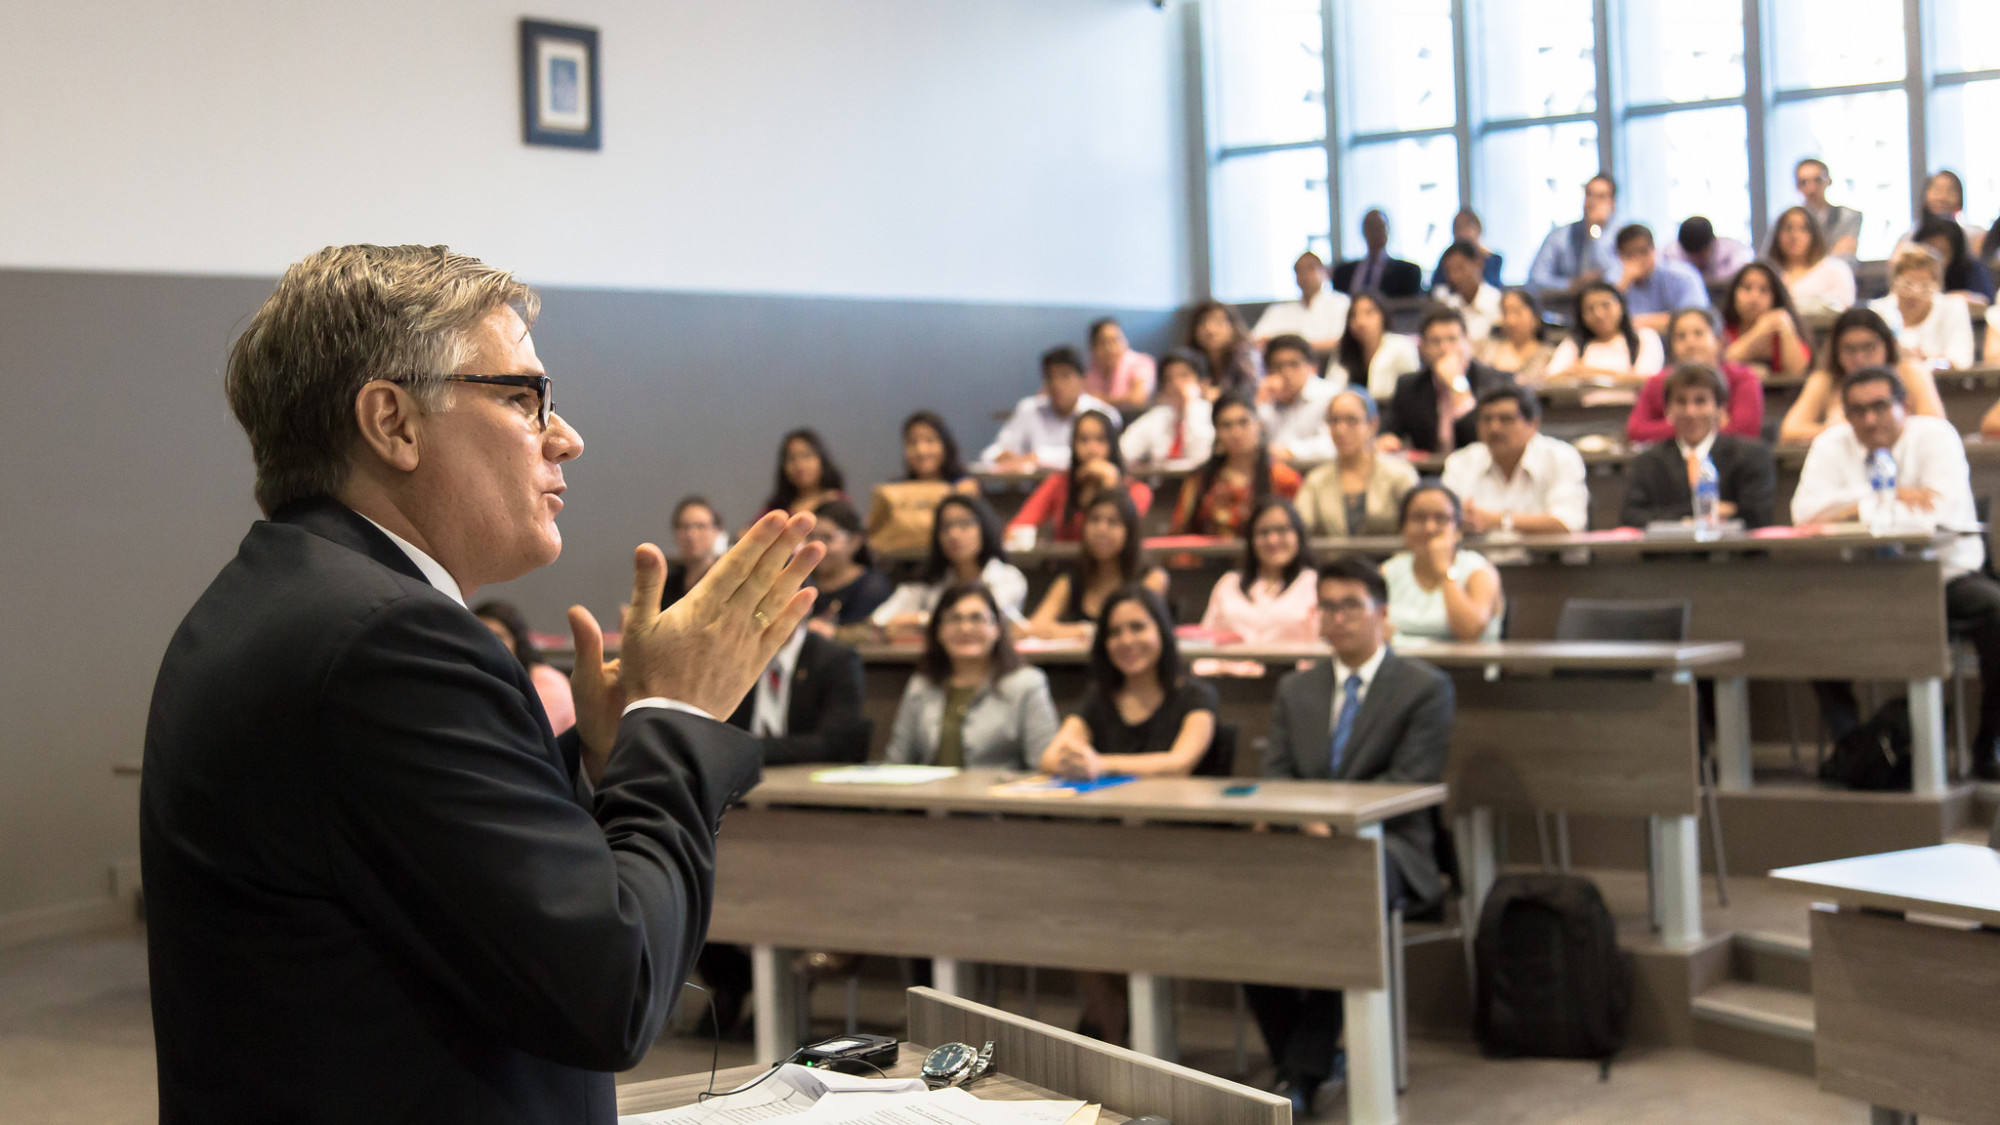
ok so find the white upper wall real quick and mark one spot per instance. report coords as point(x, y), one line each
point(1027, 151)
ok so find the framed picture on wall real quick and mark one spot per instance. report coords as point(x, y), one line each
point(559, 85)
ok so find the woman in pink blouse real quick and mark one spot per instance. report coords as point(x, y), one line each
point(1274, 597)
point(1118, 375)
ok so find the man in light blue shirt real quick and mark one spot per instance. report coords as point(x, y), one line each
point(1654, 288)
point(1575, 255)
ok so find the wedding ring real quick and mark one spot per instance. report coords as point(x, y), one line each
point(763, 622)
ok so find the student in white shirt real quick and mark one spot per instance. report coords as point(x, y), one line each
point(1292, 401)
point(1515, 478)
point(1932, 327)
point(1461, 285)
point(1180, 425)
point(1318, 314)
point(1036, 436)
point(965, 549)
point(1369, 354)
point(1933, 488)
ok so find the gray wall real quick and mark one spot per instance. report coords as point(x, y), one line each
point(127, 484)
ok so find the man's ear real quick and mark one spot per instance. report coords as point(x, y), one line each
point(390, 424)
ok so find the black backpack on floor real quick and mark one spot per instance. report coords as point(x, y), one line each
point(1552, 983)
point(1876, 754)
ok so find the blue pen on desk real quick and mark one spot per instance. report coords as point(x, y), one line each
point(1239, 790)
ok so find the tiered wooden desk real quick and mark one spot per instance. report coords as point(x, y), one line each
point(1156, 879)
point(1906, 981)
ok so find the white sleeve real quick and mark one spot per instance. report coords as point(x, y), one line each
point(909, 597)
point(1013, 436)
point(1565, 358)
point(1568, 496)
point(1652, 356)
point(1136, 442)
point(1010, 589)
point(1819, 488)
point(1458, 476)
point(669, 704)
point(1957, 330)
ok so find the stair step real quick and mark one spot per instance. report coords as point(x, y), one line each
point(1774, 960)
point(1779, 1012)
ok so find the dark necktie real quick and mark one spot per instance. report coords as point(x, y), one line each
point(1350, 701)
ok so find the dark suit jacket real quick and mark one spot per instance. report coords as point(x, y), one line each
point(824, 711)
point(1657, 488)
point(1412, 413)
point(1399, 278)
point(1401, 734)
point(376, 889)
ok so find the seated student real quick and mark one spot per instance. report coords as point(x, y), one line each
point(1377, 271)
point(1431, 410)
point(1964, 274)
point(1819, 282)
point(1461, 285)
point(1118, 374)
point(1932, 328)
point(805, 708)
point(1369, 354)
point(1217, 499)
point(550, 685)
point(698, 538)
point(1691, 339)
point(1840, 226)
point(1268, 599)
point(1180, 426)
point(899, 518)
point(1714, 257)
point(1142, 716)
point(1933, 487)
point(1036, 435)
point(1516, 478)
point(1604, 346)
point(1111, 556)
point(1654, 288)
point(1055, 508)
point(1759, 324)
point(972, 702)
point(1235, 366)
point(1660, 481)
point(1584, 251)
point(1859, 338)
point(965, 548)
point(1516, 347)
point(806, 477)
point(1368, 714)
point(1467, 227)
point(1438, 589)
point(1317, 315)
point(1944, 200)
point(1360, 490)
point(1292, 401)
point(850, 588)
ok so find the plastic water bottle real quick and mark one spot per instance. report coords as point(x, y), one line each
point(1707, 502)
point(1882, 484)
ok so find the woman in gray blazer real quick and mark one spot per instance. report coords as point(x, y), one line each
point(972, 702)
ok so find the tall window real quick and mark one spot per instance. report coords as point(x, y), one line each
point(1965, 102)
point(1538, 138)
point(1398, 108)
point(1686, 141)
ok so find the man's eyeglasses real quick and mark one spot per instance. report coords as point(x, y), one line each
point(1346, 607)
point(545, 401)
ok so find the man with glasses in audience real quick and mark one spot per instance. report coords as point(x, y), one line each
point(1933, 489)
point(1368, 714)
point(1578, 253)
point(1516, 478)
point(377, 886)
point(1292, 402)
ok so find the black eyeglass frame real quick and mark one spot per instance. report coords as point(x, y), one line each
point(540, 384)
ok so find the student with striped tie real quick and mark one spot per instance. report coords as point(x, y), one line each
point(1366, 715)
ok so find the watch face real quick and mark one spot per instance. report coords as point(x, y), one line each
point(949, 1058)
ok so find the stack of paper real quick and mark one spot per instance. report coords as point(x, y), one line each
point(820, 1097)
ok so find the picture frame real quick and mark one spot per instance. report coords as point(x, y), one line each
point(560, 83)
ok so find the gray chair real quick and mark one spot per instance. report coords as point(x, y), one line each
point(1667, 620)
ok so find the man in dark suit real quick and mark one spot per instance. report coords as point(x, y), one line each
point(1436, 409)
point(1377, 272)
point(1662, 477)
point(1367, 715)
point(806, 707)
point(378, 887)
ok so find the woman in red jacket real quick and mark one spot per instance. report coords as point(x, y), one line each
point(1691, 339)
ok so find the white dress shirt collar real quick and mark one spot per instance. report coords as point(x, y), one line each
point(433, 571)
point(1700, 451)
point(770, 712)
point(1367, 672)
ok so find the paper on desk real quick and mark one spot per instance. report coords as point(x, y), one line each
point(951, 1106)
point(884, 774)
point(793, 1091)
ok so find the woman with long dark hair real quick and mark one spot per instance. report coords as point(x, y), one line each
point(1859, 338)
point(807, 476)
point(1369, 355)
point(965, 548)
point(1691, 338)
point(972, 702)
point(899, 513)
point(1110, 557)
point(850, 588)
point(1759, 324)
point(1272, 597)
point(1819, 282)
point(1234, 365)
point(1096, 465)
point(1604, 346)
point(1239, 475)
point(1517, 346)
point(506, 622)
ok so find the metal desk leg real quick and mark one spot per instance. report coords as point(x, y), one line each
point(1677, 874)
point(1371, 1040)
point(1474, 833)
point(1883, 1115)
point(1732, 733)
point(1150, 1001)
point(945, 976)
point(776, 1002)
point(1927, 770)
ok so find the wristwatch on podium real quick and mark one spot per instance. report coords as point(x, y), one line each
point(955, 1064)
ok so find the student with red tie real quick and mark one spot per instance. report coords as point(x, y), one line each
point(1180, 426)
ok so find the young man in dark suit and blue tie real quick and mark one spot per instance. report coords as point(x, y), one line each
point(1366, 715)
